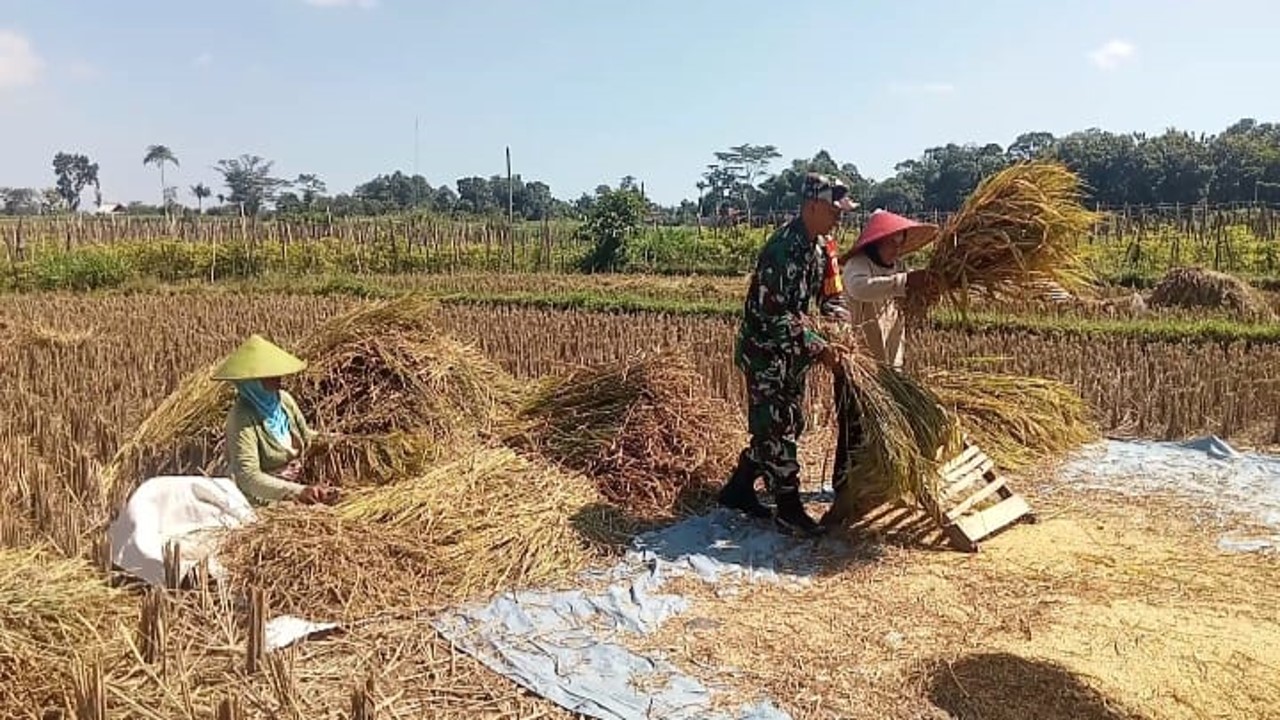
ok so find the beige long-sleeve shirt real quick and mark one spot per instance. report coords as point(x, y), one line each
point(871, 290)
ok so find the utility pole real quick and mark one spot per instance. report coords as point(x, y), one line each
point(510, 195)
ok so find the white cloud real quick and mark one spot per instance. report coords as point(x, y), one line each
point(1111, 55)
point(203, 60)
point(19, 64)
point(85, 71)
point(366, 4)
point(932, 88)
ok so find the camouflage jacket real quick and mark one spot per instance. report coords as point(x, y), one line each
point(791, 273)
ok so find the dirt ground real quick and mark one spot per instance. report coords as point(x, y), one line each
point(1103, 609)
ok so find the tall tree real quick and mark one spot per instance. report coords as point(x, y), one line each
point(249, 179)
point(160, 155)
point(200, 191)
point(74, 173)
point(748, 164)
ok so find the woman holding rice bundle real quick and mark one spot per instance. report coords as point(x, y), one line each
point(266, 432)
point(874, 280)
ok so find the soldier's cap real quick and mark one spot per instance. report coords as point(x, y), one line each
point(818, 186)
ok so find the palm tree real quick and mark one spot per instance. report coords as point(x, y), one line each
point(201, 191)
point(158, 155)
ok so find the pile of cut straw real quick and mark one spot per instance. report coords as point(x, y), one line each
point(389, 389)
point(51, 610)
point(487, 521)
point(647, 430)
point(1015, 235)
point(1017, 421)
point(1198, 288)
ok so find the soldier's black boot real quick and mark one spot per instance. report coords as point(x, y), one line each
point(739, 493)
point(792, 518)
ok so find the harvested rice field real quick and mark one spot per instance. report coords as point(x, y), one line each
point(505, 473)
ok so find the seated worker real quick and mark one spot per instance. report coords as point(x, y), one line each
point(266, 433)
point(873, 281)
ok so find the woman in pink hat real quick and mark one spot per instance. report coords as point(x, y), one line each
point(873, 281)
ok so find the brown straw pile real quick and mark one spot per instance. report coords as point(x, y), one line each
point(1015, 235)
point(52, 610)
point(1017, 421)
point(487, 521)
point(1198, 288)
point(389, 389)
point(647, 430)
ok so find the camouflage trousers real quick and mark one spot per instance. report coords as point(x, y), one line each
point(775, 419)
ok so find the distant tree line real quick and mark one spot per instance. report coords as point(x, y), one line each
point(1240, 164)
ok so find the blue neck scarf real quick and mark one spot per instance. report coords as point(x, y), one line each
point(268, 406)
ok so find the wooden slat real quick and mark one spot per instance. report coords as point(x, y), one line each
point(981, 524)
point(963, 458)
point(973, 500)
point(962, 483)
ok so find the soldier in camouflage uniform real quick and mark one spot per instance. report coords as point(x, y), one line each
point(776, 346)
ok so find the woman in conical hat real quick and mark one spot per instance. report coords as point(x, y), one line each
point(873, 281)
point(266, 432)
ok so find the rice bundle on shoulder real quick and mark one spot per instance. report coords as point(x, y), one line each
point(647, 430)
point(1015, 236)
point(396, 391)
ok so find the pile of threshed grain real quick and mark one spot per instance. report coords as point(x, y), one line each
point(389, 390)
point(647, 430)
point(487, 521)
point(53, 609)
point(1017, 421)
point(1198, 288)
point(1015, 235)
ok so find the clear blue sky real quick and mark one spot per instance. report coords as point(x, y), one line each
point(587, 91)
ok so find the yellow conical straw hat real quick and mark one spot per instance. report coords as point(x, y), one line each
point(258, 358)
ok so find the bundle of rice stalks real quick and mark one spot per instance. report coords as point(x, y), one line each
point(647, 430)
point(52, 609)
point(1198, 288)
point(396, 391)
point(492, 520)
point(483, 523)
point(1014, 236)
point(904, 427)
point(313, 563)
point(1017, 421)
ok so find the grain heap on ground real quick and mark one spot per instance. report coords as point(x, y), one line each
point(1198, 288)
point(647, 430)
point(1015, 235)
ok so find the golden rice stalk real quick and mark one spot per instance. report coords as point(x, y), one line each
point(493, 520)
point(1015, 235)
point(311, 562)
point(52, 609)
point(480, 524)
point(647, 430)
point(1017, 421)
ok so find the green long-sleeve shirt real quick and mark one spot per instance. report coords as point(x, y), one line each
point(253, 453)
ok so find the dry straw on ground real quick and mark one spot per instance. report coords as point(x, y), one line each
point(1017, 421)
point(1014, 235)
point(52, 609)
point(390, 390)
point(646, 429)
point(488, 521)
point(1198, 288)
